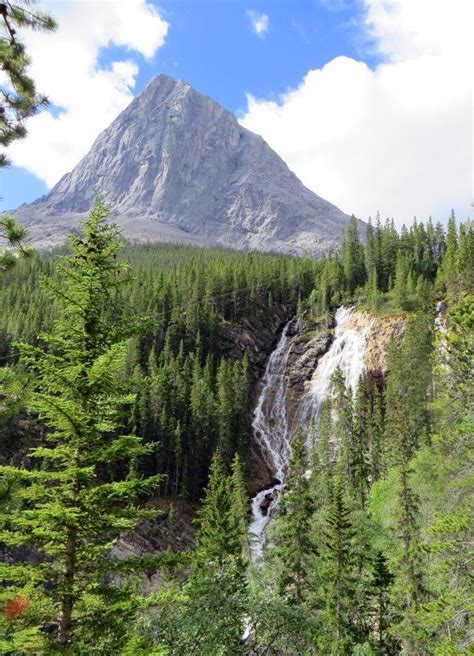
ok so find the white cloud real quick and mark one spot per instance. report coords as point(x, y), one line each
point(65, 66)
point(397, 138)
point(258, 21)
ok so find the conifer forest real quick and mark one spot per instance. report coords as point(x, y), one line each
point(127, 406)
point(235, 431)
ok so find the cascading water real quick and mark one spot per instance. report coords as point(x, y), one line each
point(271, 426)
point(347, 351)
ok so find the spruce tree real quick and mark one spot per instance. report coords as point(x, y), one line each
point(322, 459)
point(449, 269)
point(239, 509)
point(219, 535)
point(338, 576)
point(359, 465)
point(465, 256)
point(410, 589)
point(382, 581)
point(78, 492)
point(294, 546)
point(400, 291)
point(353, 257)
point(378, 454)
point(225, 410)
point(217, 586)
point(372, 291)
point(342, 404)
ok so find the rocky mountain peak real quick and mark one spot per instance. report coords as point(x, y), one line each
point(176, 166)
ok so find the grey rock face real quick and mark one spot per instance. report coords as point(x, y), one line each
point(176, 166)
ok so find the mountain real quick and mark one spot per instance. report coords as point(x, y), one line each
point(176, 166)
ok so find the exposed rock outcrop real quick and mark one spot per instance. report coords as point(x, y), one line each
point(254, 338)
point(312, 342)
point(176, 166)
point(383, 330)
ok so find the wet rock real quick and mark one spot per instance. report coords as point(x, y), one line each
point(267, 501)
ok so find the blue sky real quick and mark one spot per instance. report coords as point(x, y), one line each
point(289, 69)
point(212, 46)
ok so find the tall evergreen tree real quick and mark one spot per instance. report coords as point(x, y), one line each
point(359, 465)
point(372, 291)
point(342, 405)
point(400, 291)
point(449, 269)
point(378, 456)
point(382, 581)
point(239, 509)
point(294, 546)
point(217, 586)
point(80, 493)
point(322, 459)
point(338, 577)
point(353, 257)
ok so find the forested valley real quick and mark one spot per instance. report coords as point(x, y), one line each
point(127, 394)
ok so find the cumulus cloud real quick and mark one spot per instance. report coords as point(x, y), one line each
point(397, 138)
point(86, 93)
point(258, 21)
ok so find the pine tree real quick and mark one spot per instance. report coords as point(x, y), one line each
point(80, 492)
point(382, 580)
point(217, 585)
point(353, 257)
point(294, 546)
point(322, 459)
point(372, 291)
point(343, 424)
point(15, 235)
point(359, 465)
point(378, 455)
point(239, 510)
point(400, 292)
point(20, 99)
point(338, 574)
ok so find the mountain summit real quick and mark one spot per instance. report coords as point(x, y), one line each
point(176, 166)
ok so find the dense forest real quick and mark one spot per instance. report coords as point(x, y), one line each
point(121, 385)
point(128, 379)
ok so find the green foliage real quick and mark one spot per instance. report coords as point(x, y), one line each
point(79, 492)
point(353, 257)
point(392, 271)
point(208, 619)
point(14, 234)
point(369, 551)
point(293, 544)
point(338, 576)
point(185, 366)
point(20, 99)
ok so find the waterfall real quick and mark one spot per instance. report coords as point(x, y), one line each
point(272, 427)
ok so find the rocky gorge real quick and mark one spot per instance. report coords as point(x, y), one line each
point(291, 362)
